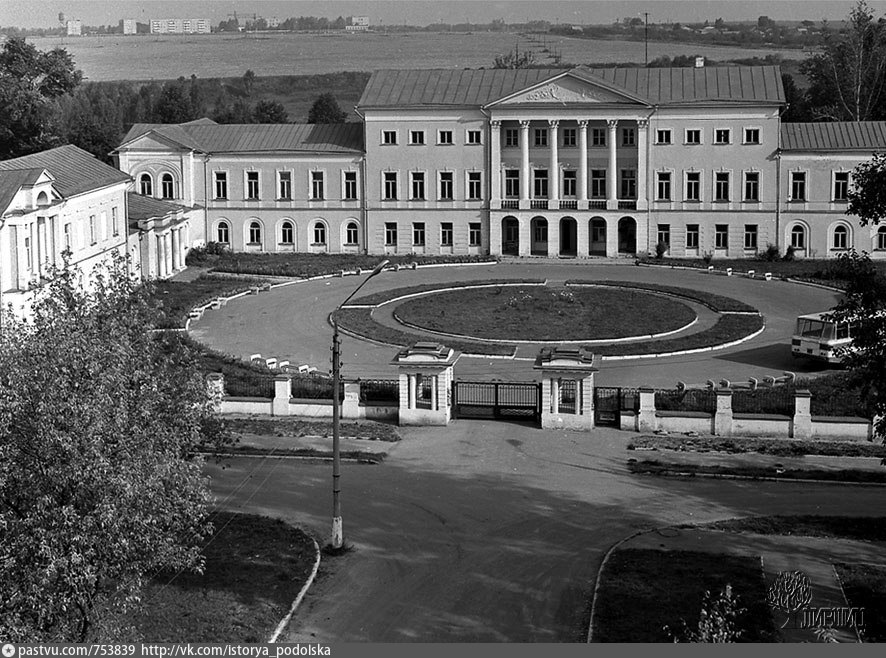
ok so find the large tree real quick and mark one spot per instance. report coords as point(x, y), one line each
point(326, 110)
point(99, 484)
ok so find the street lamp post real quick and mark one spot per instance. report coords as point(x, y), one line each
point(337, 533)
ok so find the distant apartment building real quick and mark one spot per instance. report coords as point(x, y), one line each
point(74, 28)
point(129, 26)
point(180, 26)
point(357, 23)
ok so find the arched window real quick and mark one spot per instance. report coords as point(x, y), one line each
point(287, 233)
point(319, 233)
point(223, 233)
point(352, 233)
point(167, 187)
point(798, 236)
point(841, 237)
point(42, 199)
point(254, 233)
point(881, 238)
point(145, 185)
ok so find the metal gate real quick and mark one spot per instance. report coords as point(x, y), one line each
point(609, 403)
point(499, 400)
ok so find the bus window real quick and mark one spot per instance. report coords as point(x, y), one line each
point(842, 331)
point(810, 328)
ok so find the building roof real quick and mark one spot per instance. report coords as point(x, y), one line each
point(210, 137)
point(834, 136)
point(144, 207)
point(75, 171)
point(12, 181)
point(442, 87)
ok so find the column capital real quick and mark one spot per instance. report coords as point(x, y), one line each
point(524, 124)
point(495, 123)
point(553, 123)
point(583, 123)
point(642, 124)
point(612, 123)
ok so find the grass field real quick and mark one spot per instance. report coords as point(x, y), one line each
point(865, 587)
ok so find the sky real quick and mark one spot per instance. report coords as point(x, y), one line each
point(45, 13)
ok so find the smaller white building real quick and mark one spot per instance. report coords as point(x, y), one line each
point(74, 28)
point(129, 26)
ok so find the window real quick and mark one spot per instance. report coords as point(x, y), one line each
point(598, 136)
point(475, 234)
point(798, 237)
point(223, 233)
point(721, 186)
point(417, 187)
point(722, 136)
point(540, 183)
point(28, 263)
point(664, 234)
point(628, 137)
point(692, 236)
point(512, 183)
point(92, 239)
point(390, 234)
point(474, 137)
point(350, 186)
point(512, 137)
point(115, 222)
point(252, 185)
point(68, 242)
point(317, 191)
point(693, 136)
point(841, 237)
point(287, 234)
point(662, 136)
point(540, 233)
point(221, 184)
point(570, 182)
point(390, 186)
point(663, 187)
point(389, 137)
point(752, 186)
point(254, 233)
point(444, 137)
point(881, 237)
point(798, 186)
point(628, 183)
point(445, 188)
point(446, 234)
point(352, 234)
point(841, 186)
point(693, 186)
point(167, 187)
point(750, 237)
point(569, 136)
point(721, 236)
point(284, 179)
point(418, 234)
point(598, 183)
point(540, 136)
point(475, 186)
point(319, 233)
point(751, 135)
point(417, 137)
point(145, 185)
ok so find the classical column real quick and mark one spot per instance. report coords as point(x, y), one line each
point(555, 395)
point(167, 253)
point(412, 387)
point(434, 399)
point(161, 259)
point(642, 173)
point(495, 164)
point(175, 252)
point(524, 164)
point(583, 163)
point(612, 171)
point(553, 136)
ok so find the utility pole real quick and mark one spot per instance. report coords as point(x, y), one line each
point(646, 37)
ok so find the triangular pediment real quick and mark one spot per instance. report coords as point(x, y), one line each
point(570, 88)
point(152, 141)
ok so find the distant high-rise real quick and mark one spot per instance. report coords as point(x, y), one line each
point(180, 26)
point(357, 23)
point(129, 26)
point(74, 28)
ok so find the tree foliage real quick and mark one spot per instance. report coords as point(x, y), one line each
point(326, 110)
point(99, 485)
point(269, 112)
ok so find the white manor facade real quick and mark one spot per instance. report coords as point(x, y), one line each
point(574, 163)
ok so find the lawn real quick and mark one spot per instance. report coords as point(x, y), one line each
point(682, 469)
point(255, 567)
point(297, 427)
point(377, 298)
point(865, 528)
point(177, 298)
point(727, 329)
point(865, 587)
point(776, 447)
point(642, 591)
point(542, 313)
point(717, 303)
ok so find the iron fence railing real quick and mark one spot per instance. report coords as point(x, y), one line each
point(775, 400)
point(253, 386)
point(313, 387)
point(379, 390)
point(701, 400)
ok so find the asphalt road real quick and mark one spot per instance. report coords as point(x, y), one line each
point(292, 323)
point(488, 531)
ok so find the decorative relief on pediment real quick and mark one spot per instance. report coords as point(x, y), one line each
point(567, 91)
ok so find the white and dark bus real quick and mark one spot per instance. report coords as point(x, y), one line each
point(818, 336)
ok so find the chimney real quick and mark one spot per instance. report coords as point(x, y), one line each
point(699, 62)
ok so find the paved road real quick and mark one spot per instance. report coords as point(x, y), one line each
point(291, 323)
point(488, 531)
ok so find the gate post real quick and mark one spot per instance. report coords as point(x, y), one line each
point(571, 364)
point(723, 414)
point(425, 360)
point(646, 417)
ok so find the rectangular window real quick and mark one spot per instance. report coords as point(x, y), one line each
point(751, 135)
point(541, 136)
point(67, 238)
point(628, 184)
point(540, 183)
point(512, 137)
point(475, 235)
point(841, 186)
point(598, 183)
point(798, 186)
point(693, 136)
point(752, 186)
point(722, 136)
point(663, 188)
point(350, 189)
point(475, 186)
point(252, 185)
point(418, 234)
point(570, 137)
point(221, 184)
point(692, 236)
point(446, 234)
point(721, 236)
point(285, 180)
point(445, 186)
point(444, 137)
point(662, 136)
point(693, 186)
point(628, 137)
point(540, 234)
point(664, 234)
point(750, 237)
point(570, 182)
point(28, 261)
point(475, 137)
point(389, 137)
point(417, 187)
point(390, 234)
point(598, 136)
point(92, 239)
point(721, 186)
point(390, 186)
point(512, 183)
point(317, 191)
point(115, 222)
point(417, 137)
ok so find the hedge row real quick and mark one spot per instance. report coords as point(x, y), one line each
point(387, 295)
point(830, 269)
point(727, 329)
point(714, 302)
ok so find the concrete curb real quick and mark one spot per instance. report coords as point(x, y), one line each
point(762, 478)
point(298, 599)
point(306, 458)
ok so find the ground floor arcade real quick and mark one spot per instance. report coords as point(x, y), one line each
point(569, 236)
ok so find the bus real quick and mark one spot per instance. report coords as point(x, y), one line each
point(818, 336)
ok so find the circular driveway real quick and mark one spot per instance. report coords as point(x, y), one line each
point(291, 322)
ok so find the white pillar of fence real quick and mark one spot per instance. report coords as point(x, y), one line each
point(723, 414)
point(282, 394)
point(801, 427)
point(646, 420)
point(350, 407)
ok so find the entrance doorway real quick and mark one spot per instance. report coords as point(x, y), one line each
point(597, 246)
point(627, 235)
point(568, 237)
point(538, 229)
point(510, 236)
